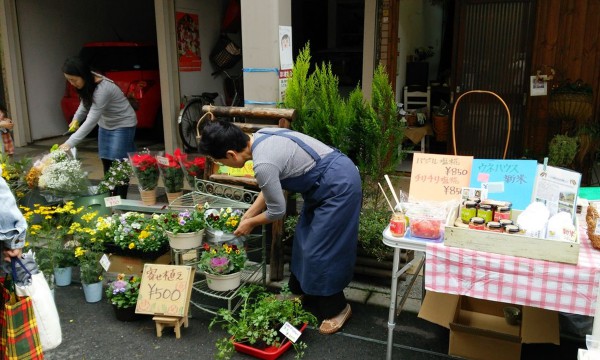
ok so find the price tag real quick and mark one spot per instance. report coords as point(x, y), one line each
point(162, 160)
point(105, 262)
point(597, 229)
point(290, 332)
point(112, 201)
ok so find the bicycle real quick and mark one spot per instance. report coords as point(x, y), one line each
point(189, 116)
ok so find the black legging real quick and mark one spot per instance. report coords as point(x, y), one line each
point(323, 307)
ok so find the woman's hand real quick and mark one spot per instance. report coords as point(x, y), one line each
point(244, 228)
point(10, 253)
point(65, 147)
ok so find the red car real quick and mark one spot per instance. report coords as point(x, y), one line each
point(131, 65)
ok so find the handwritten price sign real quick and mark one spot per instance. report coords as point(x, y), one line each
point(165, 290)
point(436, 177)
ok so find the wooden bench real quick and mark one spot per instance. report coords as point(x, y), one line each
point(260, 118)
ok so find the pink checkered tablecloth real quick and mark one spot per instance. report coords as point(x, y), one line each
point(516, 280)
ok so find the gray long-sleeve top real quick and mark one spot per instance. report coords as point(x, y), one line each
point(110, 110)
point(277, 158)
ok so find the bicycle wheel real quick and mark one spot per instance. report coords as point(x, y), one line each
point(188, 119)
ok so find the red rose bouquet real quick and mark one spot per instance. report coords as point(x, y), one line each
point(193, 167)
point(145, 168)
point(170, 170)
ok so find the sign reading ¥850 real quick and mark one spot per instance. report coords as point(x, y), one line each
point(165, 290)
point(436, 177)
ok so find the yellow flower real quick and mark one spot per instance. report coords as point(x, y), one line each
point(131, 245)
point(143, 235)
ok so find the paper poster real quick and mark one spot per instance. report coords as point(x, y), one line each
point(438, 177)
point(284, 75)
point(538, 87)
point(188, 42)
point(505, 180)
point(557, 188)
point(285, 48)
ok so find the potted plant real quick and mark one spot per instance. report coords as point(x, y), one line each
point(185, 228)
point(193, 167)
point(221, 223)
point(440, 121)
point(49, 237)
point(135, 234)
point(14, 172)
point(172, 174)
point(223, 266)
point(562, 150)
point(123, 294)
point(145, 168)
point(60, 176)
point(255, 328)
point(116, 179)
point(90, 233)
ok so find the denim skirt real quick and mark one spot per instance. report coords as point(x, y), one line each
point(115, 144)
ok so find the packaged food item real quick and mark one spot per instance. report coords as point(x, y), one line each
point(505, 222)
point(512, 229)
point(398, 224)
point(426, 221)
point(485, 211)
point(502, 212)
point(467, 211)
point(493, 226)
point(477, 223)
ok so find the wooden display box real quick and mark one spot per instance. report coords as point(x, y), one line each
point(134, 266)
point(508, 244)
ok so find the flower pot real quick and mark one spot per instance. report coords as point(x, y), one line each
point(126, 314)
point(184, 241)
point(92, 203)
point(120, 190)
point(63, 276)
point(113, 249)
point(223, 282)
point(172, 196)
point(268, 353)
point(440, 127)
point(148, 196)
point(218, 237)
point(92, 292)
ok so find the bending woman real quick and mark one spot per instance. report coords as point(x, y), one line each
point(104, 104)
point(325, 241)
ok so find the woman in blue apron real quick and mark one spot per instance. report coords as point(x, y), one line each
point(325, 241)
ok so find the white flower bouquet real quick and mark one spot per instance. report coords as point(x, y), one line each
point(61, 176)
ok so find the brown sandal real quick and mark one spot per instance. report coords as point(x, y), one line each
point(333, 325)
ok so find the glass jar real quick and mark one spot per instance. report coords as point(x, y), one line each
point(485, 211)
point(398, 224)
point(502, 212)
point(512, 229)
point(477, 223)
point(468, 211)
point(505, 222)
point(493, 226)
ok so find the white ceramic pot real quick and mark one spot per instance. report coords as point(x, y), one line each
point(223, 282)
point(184, 241)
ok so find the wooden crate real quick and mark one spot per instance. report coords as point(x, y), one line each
point(508, 244)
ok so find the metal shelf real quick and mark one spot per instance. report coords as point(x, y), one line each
point(220, 196)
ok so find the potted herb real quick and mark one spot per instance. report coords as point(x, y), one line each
point(255, 328)
point(222, 266)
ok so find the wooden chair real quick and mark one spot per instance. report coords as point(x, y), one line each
point(415, 100)
point(260, 118)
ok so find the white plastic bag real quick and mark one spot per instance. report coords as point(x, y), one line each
point(45, 311)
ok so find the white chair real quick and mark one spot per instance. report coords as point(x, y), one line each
point(416, 100)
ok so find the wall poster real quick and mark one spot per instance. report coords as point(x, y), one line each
point(188, 42)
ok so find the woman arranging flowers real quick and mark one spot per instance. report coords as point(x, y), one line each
point(222, 262)
point(184, 228)
point(325, 241)
point(172, 174)
point(145, 168)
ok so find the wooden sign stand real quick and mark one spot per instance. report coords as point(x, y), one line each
point(168, 321)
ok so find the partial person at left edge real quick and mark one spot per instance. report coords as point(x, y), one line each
point(102, 103)
point(13, 227)
point(6, 127)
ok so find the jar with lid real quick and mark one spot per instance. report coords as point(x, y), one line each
point(505, 222)
point(485, 211)
point(493, 226)
point(502, 212)
point(477, 223)
point(512, 229)
point(398, 224)
point(467, 211)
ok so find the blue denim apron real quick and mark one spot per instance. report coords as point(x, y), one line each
point(324, 249)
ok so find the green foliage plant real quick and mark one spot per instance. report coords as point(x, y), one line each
point(123, 292)
point(259, 319)
point(562, 150)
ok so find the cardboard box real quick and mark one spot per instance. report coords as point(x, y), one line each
point(134, 266)
point(478, 329)
point(508, 244)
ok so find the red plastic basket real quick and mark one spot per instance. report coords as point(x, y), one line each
point(268, 353)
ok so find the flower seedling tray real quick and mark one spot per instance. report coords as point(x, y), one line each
point(268, 353)
point(508, 244)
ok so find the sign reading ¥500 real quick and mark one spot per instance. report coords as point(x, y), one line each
point(165, 290)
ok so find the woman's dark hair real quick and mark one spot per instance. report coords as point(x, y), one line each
point(76, 67)
point(219, 136)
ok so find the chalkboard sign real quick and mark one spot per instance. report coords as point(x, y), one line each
point(438, 177)
point(165, 290)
